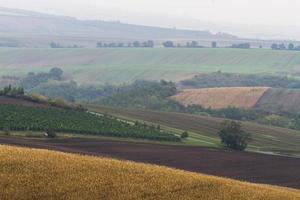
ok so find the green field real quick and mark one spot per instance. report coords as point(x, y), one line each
point(22, 118)
point(125, 65)
point(203, 130)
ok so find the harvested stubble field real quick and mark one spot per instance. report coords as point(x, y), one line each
point(251, 167)
point(41, 174)
point(265, 138)
point(217, 98)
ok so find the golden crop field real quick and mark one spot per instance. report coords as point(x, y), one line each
point(217, 98)
point(41, 174)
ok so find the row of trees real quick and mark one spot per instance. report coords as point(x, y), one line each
point(191, 44)
point(282, 46)
point(12, 91)
point(56, 45)
point(135, 44)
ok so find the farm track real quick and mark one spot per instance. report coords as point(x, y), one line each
point(251, 167)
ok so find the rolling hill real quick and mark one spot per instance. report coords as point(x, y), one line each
point(217, 98)
point(271, 100)
point(204, 130)
point(117, 66)
point(36, 174)
point(23, 115)
point(31, 29)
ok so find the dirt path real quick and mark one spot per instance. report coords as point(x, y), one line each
point(257, 168)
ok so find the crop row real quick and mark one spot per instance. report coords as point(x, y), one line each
point(21, 118)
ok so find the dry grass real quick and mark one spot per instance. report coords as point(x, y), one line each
point(41, 174)
point(216, 98)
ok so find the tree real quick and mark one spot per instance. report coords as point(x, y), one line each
point(50, 133)
point(56, 73)
point(184, 135)
point(274, 46)
point(241, 46)
point(55, 45)
point(99, 45)
point(282, 46)
point(168, 44)
point(150, 43)
point(291, 46)
point(214, 44)
point(194, 44)
point(136, 44)
point(233, 136)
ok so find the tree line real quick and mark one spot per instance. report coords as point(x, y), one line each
point(282, 46)
point(134, 44)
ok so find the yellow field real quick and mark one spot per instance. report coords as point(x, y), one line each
point(41, 174)
point(216, 98)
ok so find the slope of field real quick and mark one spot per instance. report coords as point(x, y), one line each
point(217, 98)
point(20, 102)
point(25, 115)
point(40, 174)
point(280, 100)
point(125, 65)
point(265, 138)
point(244, 166)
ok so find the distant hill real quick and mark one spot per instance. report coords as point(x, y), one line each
point(23, 28)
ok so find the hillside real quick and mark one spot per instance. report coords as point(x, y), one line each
point(204, 130)
point(217, 98)
point(271, 100)
point(114, 179)
point(32, 29)
point(280, 100)
point(116, 66)
point(23, 115)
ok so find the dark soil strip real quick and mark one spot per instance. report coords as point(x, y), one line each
point(251, 167)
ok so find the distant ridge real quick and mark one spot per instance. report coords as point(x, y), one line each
point(27, 28)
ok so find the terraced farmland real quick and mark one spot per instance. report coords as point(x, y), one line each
point(126, 65)
point(41, 174)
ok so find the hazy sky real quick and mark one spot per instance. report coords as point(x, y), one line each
point(225, 12)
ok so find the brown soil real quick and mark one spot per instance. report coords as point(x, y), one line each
point(252, 167)
point(20, 102)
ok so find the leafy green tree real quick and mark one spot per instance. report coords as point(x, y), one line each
point(233, 136)
point(184, 135)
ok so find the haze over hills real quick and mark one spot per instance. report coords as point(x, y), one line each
point(22, 27)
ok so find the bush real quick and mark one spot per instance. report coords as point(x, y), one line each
point(6, 131)
point(50, 134)
point(184, 135)
point(233, 136)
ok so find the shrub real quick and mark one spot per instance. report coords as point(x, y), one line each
point(50, 133)
point(6, 131)
point(184, 135)
point(233, 136)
